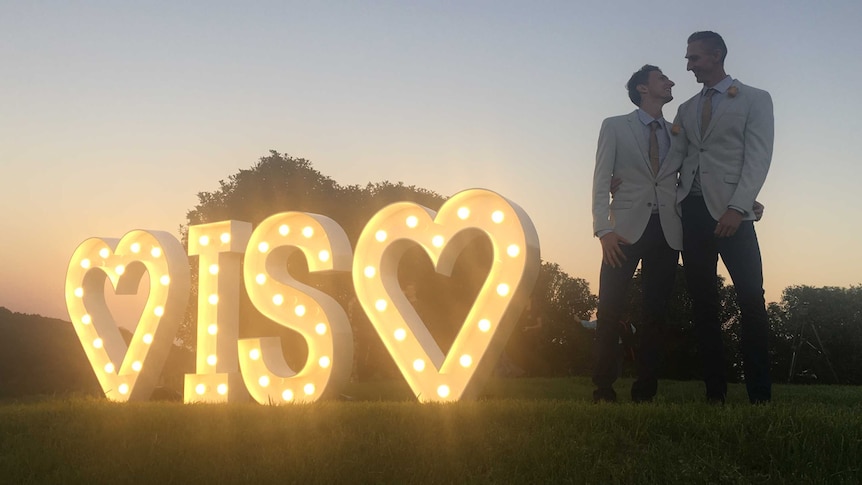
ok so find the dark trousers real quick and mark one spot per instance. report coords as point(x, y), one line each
point(741, 255)
point(658, 271)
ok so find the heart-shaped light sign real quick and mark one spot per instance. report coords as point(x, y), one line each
point(473, 213)
point(128, 372)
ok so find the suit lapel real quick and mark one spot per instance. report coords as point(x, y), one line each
point(722, 108)
point(636, 128)
point(691, 122)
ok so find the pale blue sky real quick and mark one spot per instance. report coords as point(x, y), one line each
point(114, 115)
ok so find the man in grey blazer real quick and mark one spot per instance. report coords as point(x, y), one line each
point(723, 137)
point(640, 225)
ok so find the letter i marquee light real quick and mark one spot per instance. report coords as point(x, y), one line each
point(432, 376)
point(219, 247)
point(128, 372)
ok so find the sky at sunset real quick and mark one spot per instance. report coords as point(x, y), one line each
point(114, 115)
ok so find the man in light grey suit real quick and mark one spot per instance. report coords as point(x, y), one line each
point(723, 137)
point(641, 224)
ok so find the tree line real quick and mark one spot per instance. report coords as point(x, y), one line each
point(817, 331)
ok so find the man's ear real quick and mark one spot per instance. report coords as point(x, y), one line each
point(641, 88)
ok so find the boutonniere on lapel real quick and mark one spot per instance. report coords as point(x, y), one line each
point(732, 91)
point(675, 129)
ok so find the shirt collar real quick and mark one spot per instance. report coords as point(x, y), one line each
point(720, 86)
point(646, 119)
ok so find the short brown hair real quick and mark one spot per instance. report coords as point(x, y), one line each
point(639, 77)
point(712, 41)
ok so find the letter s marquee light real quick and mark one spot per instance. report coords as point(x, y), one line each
point(316, 316)
point(483, 335)
point(229, 369)
point(128, 372)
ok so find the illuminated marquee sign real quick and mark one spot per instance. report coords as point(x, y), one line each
point(230, 369)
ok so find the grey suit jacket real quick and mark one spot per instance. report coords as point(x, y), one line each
point(735, 153)
point(623, 151)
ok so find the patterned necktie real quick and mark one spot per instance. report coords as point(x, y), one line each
point(706, 111)
point(653, 146)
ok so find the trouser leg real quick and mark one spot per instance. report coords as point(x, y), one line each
point(700, 261)
point(613, 284)
point(741, 256)
point(658, 271)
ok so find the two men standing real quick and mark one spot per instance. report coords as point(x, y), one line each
point(721, 147)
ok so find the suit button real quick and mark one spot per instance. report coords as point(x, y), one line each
point(656, 184)
point(649, 204)
point(702, 150)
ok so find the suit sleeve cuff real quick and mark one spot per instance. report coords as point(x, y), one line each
point(600, 234)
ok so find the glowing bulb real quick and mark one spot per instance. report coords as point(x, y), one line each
point(287, 395)
point(135, 247)
point(165, 280)
point(204, 240)
point(156, 252)
point(212, 329)
point(225, 237)
point(109, 367)
point(254, 354)
point(380, 235)
point(200, 389)
point(443, 391)
point(400, 334)
point(484, 325)
point(497, 217)
point(263, 381)
point(221, 389)
point(299, 310)
point(104, 253)
point(79, 292)
point(137, 366)
point(412, 221)
point(263, 247)
point(437, 241)
point(148, 338)
point(323, 255)
point(213, 299)
point(465, 360)
point(120, 269)
point(213, 269)
point(463, 213)
point(86, 319)
point(307, 231)
point(98, 343)
point(308, 388)
point(212, 359)
point(85, 263)
point(284, 229)
point(124, 389)
point(278, 299)
point(324, 362)
point(369, 272)
point(513, 250)
point(260, 278)
point(380, 305)
point(502, 289)
point(419, 365)
point(320, 328)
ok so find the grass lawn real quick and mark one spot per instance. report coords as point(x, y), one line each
point(521, 431)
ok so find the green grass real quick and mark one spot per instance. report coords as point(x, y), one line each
point(521, 431)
